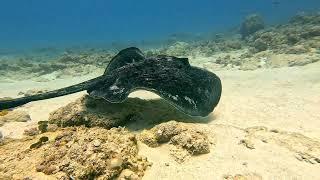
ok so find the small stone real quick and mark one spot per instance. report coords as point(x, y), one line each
point(149, 164)
point(311, 161)
point(49, 170)
point(31, 132)
point(298, 157)
point(27, 178)
point(239, 177)
point(40, 168)
point(96, 143)
point(43, 126)
point(139, 158)
point(44, 139)
point(52, 127)
point(167, 164)
point(35, 145)
point(227, 177)
point(16, 116)
point(4, 112)
point(128, 174)
point(116, 163)
point(1, 136)
point(247, 143)
point(274, 130)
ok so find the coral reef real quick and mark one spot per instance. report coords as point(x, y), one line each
point(251, 24)
point(76, 153)
point(67, 65)
point(14, 116)
point(186, 139)
point(300, 36)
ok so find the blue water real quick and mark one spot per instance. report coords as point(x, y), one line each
point(44, 23)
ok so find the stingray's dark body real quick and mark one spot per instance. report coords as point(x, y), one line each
point(192, 90)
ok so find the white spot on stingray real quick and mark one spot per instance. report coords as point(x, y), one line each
point(191, 101)
point(114, 87)
point(173, 97)
point(119, 91)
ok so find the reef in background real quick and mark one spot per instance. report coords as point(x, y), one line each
point(255, 45)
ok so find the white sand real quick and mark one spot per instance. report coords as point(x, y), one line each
point(287, 99)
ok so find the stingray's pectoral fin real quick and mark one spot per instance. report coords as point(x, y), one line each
point(123, 58)
point(194, 91)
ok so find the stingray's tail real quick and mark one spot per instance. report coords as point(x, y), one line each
point(7, 104)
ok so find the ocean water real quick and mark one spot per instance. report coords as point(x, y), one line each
point(235, 94)
point(26, 25)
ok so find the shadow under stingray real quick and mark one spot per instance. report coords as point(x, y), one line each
point(134, 113)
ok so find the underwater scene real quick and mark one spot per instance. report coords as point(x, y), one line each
point(160, 90)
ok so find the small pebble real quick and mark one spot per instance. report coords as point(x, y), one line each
point(247, 143)
point(49, 170)
point(167, 164)
point(128, 174)
point(31, 132)
point(116, 163)
point(44, 139)
point(52, 127)
point(27, 178)
point(298, 157)
point(96, 143)
point(311, 161)
point(40, 168)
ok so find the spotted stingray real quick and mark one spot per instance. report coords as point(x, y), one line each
point(192, 90)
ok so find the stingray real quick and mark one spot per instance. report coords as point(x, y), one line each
point(192, 90)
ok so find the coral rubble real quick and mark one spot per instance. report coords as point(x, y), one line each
point(186, 140)
point(76, 153)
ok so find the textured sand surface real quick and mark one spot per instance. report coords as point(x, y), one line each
point(283, 102)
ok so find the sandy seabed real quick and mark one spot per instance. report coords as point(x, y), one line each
point(266, 125)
